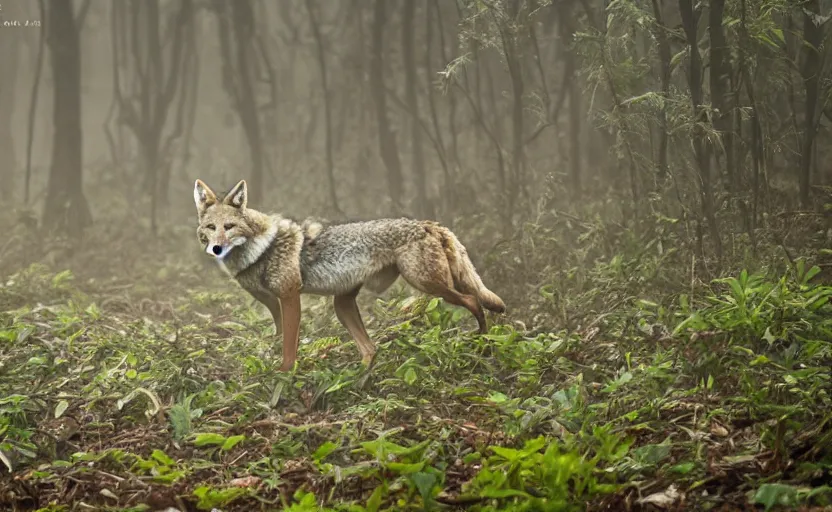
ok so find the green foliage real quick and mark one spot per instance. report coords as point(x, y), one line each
point(511, 420)
point(530, 480)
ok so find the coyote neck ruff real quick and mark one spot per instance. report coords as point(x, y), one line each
point(276, 259)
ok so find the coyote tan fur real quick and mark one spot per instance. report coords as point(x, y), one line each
point(276, 260)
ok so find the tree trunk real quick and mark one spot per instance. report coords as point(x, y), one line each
point(33, 105)
point(386, 139)
point(362, 167)
point(146, 91)
point(810, 72)
point(66, 210)
point(330, 163)
point(701, 150)
point(757, 138)
point(566, 29)
point(665, 57)
point(515, 70)
point(441, 151)
point(720, 95)
point(9, 60)
point(454, 150)
point(423, 209)
point(243, 19)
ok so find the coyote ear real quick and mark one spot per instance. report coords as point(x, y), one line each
point(238, 196)
point(203, 196)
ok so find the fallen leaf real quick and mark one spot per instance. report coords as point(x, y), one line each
point(246, 481)
point(718, 430)
point(662, 499)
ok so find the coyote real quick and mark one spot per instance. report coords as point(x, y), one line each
point(276, 259)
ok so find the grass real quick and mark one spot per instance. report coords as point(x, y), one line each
point(138, 394)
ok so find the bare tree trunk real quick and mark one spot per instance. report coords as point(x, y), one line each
point(758, 157)
point(361, 174)
point(243, 19)
point(701, 150)
point(423, 209)
point(66, 208)
point(813, 34)
point(330, 163)
point(33, 105)
point(9, 60)
point(665, 58)
point(386, 139)
point(237, 79)
point(497, 135)
point(451, 97)
point(145, 94)
point(575, 152)
point(757, 139)
point(511, 49)
point(441, 151)
point(720, 94)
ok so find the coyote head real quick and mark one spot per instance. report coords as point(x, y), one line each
point(223, 223)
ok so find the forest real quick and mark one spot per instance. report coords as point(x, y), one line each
point(645, 183)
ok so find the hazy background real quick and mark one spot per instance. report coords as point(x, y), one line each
point(520, 123)
point(645, 183)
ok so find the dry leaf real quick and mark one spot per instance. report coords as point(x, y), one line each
point(662, 499)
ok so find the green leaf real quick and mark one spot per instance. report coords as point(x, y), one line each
point(424, 483)
point(410, 376)
point(509, 454)
point(472, 457)
point(683, 469)
point(209, 439)
point(324, 450)
point(162, 458)
point(736, 288)
point(374, 503)
point(338, 385)
point(169, 478)
point(231, 442)
point(60, 408)
point(405, 469)
point(812, 272)
point(497, 397)
point(761, 359)
point(771, 495)
point(652, 453)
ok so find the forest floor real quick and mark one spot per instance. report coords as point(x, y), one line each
point(159, 389)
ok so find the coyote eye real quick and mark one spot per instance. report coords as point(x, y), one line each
point(229, 226)
point(211, 227)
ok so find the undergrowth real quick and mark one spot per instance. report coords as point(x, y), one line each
point(630, 383)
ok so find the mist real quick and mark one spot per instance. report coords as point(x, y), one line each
point(644, 184)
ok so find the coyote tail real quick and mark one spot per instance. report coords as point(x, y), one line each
point(466, 278)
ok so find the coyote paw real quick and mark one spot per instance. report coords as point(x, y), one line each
point(368, 360)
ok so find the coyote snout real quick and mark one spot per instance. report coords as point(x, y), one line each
point(276, 259)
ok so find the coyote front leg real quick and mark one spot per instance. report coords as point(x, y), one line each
point(350, 317)
point(273, 304)
point(290, 306)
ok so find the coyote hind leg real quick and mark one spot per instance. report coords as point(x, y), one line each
point(452, 296)
point(348, 314)
point(425, 267)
